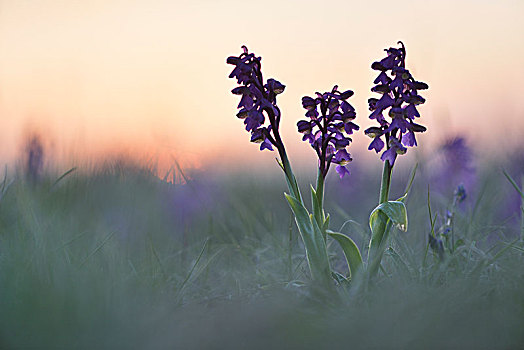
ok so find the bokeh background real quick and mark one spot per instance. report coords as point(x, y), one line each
point(118, 255)
point(148, 79)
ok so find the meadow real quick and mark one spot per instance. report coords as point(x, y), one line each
point(116, 257)
point(397, 222)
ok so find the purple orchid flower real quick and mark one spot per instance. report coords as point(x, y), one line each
point(258, 102)
point(399, 99)
point(328, 128)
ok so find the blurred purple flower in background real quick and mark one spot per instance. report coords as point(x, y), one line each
point(460, 193)
point(258, 100)
point(400, 98)
point(191, 201)
point(35, 157)
point(327, 129)
point(437, 245)
point(453, 166)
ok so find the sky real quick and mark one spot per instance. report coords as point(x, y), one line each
point(148, 78)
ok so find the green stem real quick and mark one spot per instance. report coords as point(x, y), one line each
point(315, 245)
point(320, 189)
point(290, 177)
point(380, 232)
point(318, 207)
point(385, 184)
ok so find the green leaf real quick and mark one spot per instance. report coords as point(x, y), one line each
point(502, 251)
point(61, 177)
point(513, 183)
point(280, 164)
point(340, 278)
point(394, 210)
point(410, 183)
point(317, 207)
point(326, 224)
point(380, 221)
point(398, 260)
point(316, 251)
point(290, 179)
point(350, 249)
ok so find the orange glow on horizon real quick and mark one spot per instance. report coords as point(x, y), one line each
point(149, 79)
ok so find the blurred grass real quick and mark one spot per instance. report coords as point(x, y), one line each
point(117, 258)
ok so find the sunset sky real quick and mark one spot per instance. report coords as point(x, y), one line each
point(149, 77)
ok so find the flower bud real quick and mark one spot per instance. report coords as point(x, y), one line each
point(378, 66)
point(372, 103)
point(258, 136)
point(346, 94)
point(414, 99)
point(304, 127)
point(233, 60)
point(243, 113)
point(417, 127)
point(381, 89)
point(308, 103)
point(373, 132)
point(241, 90)
point(275, 86)
point(341, 144)
point(419, 85)
point(396, 112)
